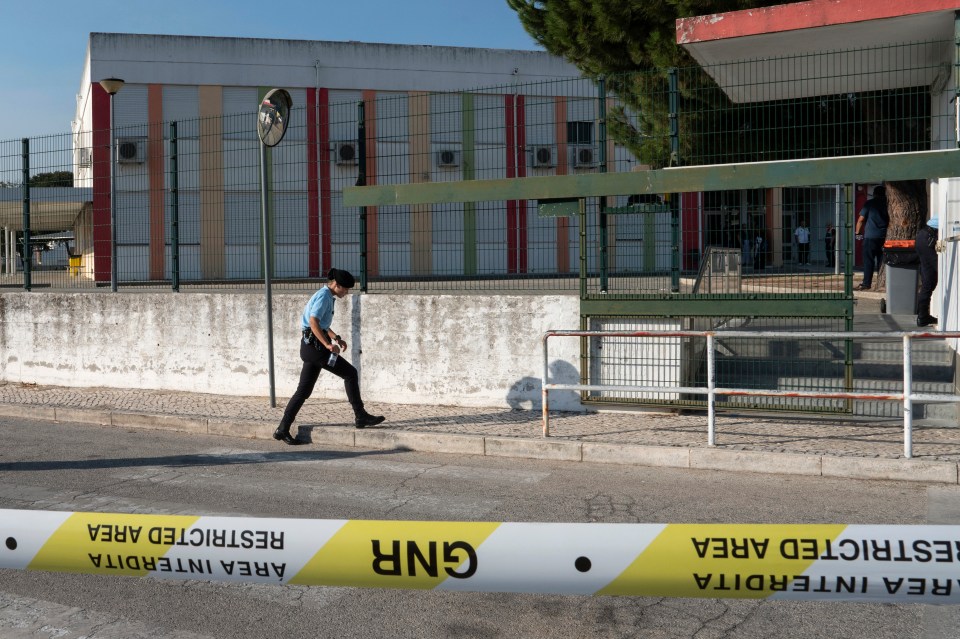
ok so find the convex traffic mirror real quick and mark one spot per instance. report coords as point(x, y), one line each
point(273, 116)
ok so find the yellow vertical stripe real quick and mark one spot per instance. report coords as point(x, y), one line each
point(212, 216)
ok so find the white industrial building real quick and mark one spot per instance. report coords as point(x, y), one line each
point(201, 82)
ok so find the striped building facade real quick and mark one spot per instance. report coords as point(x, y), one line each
point(433, 130)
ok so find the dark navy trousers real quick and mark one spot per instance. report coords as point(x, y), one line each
point(927, 250)
point(314, 362)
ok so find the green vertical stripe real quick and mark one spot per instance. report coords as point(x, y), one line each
point(649, 241)
point(469, 173)
point(956, 59)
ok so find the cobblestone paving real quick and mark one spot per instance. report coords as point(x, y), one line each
point(880, 438)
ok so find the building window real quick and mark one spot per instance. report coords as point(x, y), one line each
point(580, 132)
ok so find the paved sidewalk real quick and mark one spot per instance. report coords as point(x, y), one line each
point(785, 444)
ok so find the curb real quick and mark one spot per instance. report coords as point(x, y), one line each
point(932, 472)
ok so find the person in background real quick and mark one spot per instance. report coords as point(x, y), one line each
point(830, 244)
point(320, 349)
point(759, 251)
point(803, 243)
point(872, 229)
point(926, 247)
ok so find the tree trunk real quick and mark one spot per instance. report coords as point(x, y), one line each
point(907, 206)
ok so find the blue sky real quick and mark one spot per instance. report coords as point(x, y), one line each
point(43, 42)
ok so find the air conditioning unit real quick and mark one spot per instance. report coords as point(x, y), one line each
point(83, 157)
point(448, 157)
point(583, 156)
point(345, 153)
point(543, 157)
point(131, 150)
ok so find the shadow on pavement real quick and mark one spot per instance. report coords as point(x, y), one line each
point(184, 461)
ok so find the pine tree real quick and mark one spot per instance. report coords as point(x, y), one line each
point(632, 44)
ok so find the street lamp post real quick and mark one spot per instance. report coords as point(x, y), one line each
point(272, 120)
point(111, 86)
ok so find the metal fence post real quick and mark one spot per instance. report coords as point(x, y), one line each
point(25, 155)
point(582, 219)
point(362, 181)
point(711, 391)
point(907, 399)
point(545, 405)
point(174, 210)
point(956, 76)
point(848, 290)
point(602, 154)
point(673, 76)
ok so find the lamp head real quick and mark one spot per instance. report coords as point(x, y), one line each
point(111, 85)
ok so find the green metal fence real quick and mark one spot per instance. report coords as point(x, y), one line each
point(186, 203)
point(785, 364)
point(747, 246)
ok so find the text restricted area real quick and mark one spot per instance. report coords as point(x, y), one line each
point(872, 563)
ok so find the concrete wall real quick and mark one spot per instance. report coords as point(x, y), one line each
point(474, 350)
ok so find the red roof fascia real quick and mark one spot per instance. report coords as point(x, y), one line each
point(800, 15)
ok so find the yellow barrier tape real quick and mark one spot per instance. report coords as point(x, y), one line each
point(919, 564)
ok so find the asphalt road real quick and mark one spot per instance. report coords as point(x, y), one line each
point(50, 466)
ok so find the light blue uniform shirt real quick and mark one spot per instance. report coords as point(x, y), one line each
point(319, 306)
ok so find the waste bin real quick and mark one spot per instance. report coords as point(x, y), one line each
point(74, 264)
point(903, 275)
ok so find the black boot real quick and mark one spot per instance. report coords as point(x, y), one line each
point(365, 419)
point(924, 318)
point(283, 434)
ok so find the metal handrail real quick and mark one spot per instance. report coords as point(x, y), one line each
point(907, 396)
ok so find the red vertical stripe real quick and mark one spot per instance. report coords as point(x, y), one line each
point(522, 247)
point(690, 230)
point(326, 216)
point(313, 197)
point(511, 172)
point(101, 183)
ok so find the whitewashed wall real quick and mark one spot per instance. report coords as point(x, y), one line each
point(470, 350)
